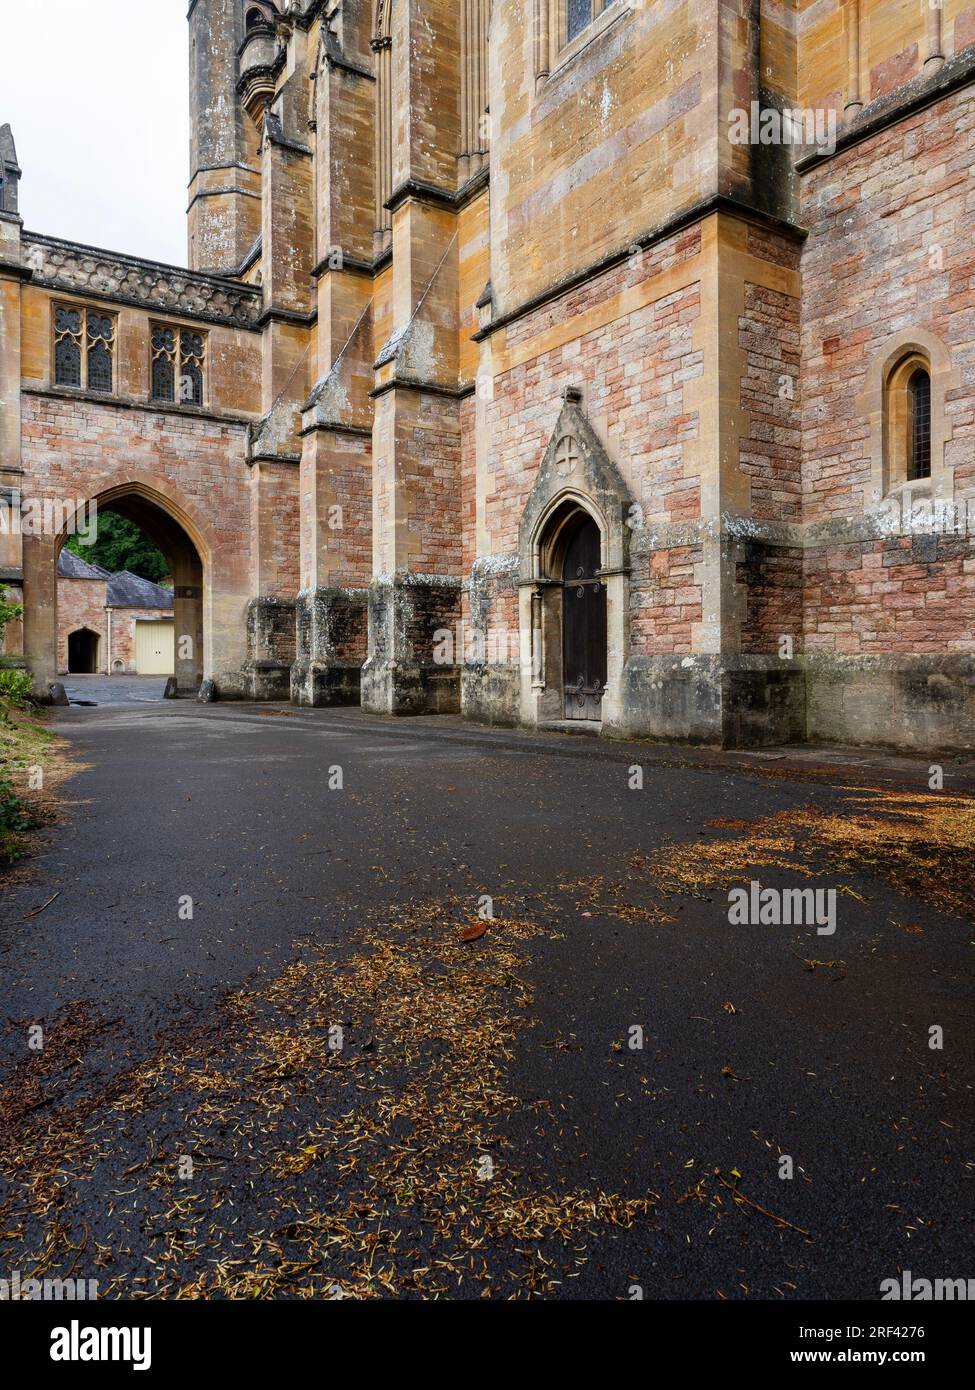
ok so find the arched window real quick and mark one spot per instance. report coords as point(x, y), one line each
point(907, 409)
point(191, 368)
point(163, 364)
point(177, 359)
point(67, 346)
point(101, 338)
point(256, 19)
point(910, 379)
point(919, 411)
point(84, 348)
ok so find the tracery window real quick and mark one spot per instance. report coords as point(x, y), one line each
point(84, 348)
point(163, 364)
point(101, 341)
point(177, 361)
point(191, 367)
point(67, 345)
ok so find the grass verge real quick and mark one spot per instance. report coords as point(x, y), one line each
point(32, 765)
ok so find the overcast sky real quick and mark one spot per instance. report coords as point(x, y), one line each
point(97, 99)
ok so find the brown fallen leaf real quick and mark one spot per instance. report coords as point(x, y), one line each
point(474, 932)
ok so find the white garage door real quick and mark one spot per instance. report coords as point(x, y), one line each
point(155, 649)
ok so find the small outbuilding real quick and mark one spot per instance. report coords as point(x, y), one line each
point(112, 624)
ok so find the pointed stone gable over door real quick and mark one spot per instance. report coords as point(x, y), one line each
point(576, 466)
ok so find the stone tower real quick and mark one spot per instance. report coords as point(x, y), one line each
point(225, 180)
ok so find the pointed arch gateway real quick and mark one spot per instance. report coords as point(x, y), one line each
point(170, 527)
point(574, 568)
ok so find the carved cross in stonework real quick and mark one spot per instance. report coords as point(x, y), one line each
point(566, 457)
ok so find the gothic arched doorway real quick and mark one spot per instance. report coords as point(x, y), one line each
point(570, 617)
point(583, 621)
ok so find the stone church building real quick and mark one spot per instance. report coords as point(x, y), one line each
point(604, 362)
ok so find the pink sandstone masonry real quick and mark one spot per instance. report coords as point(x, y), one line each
point(469, 291)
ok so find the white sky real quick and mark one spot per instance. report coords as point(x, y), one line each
point(97, 98)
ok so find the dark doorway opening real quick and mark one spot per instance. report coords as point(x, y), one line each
point(83, 652)
point(583, 622)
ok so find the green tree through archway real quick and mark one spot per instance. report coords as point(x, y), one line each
point(122, 545)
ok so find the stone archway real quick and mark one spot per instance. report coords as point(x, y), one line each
point(186, 568)
point(577, 485)
point(187, 553)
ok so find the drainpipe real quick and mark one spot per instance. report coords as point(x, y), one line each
point(108, 663)
point(936, 49)
point(854, 99)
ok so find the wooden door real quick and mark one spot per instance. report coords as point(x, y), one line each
point(583, 625)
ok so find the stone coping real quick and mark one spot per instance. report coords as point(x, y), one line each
point(88, 271)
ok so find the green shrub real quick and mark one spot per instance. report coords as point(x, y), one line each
point(13, 812)
point(15, 688)
point(8, 611)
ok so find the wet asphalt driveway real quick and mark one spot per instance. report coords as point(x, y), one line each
point(759, 1043)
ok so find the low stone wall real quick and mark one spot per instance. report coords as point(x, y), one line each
point(925, 704)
